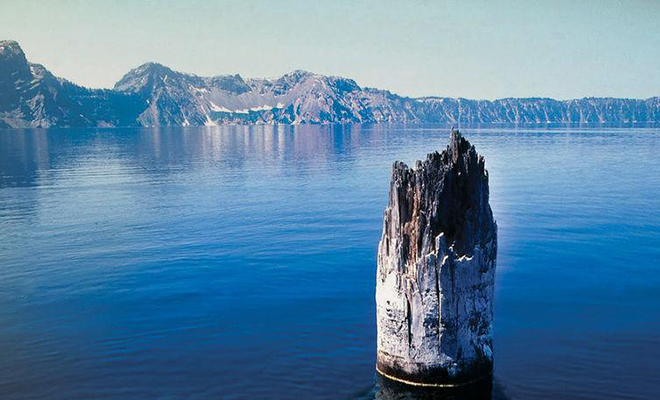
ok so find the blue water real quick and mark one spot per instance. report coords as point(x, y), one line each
point(239, 262)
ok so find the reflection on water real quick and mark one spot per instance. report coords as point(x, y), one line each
point(29, 154)
point(239, 262)
point(387, 389)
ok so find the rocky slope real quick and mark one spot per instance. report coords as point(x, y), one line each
point(31, 96)
point(436, 270)
point(155, 95)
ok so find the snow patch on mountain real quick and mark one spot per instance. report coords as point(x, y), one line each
point(217, 108)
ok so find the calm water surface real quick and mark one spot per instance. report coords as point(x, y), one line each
point(239, 262)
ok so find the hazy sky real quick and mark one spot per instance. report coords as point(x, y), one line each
point(474, 49)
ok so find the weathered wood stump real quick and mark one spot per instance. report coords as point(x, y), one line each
point(436, 270)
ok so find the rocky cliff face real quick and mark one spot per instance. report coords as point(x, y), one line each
point(436, 268)
point(155, 95)
point(30, 96)
point(299, 97)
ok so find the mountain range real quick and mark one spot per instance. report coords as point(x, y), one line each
point(155, 95)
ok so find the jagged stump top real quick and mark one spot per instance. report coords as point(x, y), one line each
point(447, 193)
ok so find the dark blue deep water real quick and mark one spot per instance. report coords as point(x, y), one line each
point(239, 262)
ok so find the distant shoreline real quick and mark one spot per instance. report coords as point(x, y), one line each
point(154, 95)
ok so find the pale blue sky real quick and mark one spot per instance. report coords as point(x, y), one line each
point(474, 49)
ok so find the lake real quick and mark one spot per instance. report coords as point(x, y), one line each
point(239, 262)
